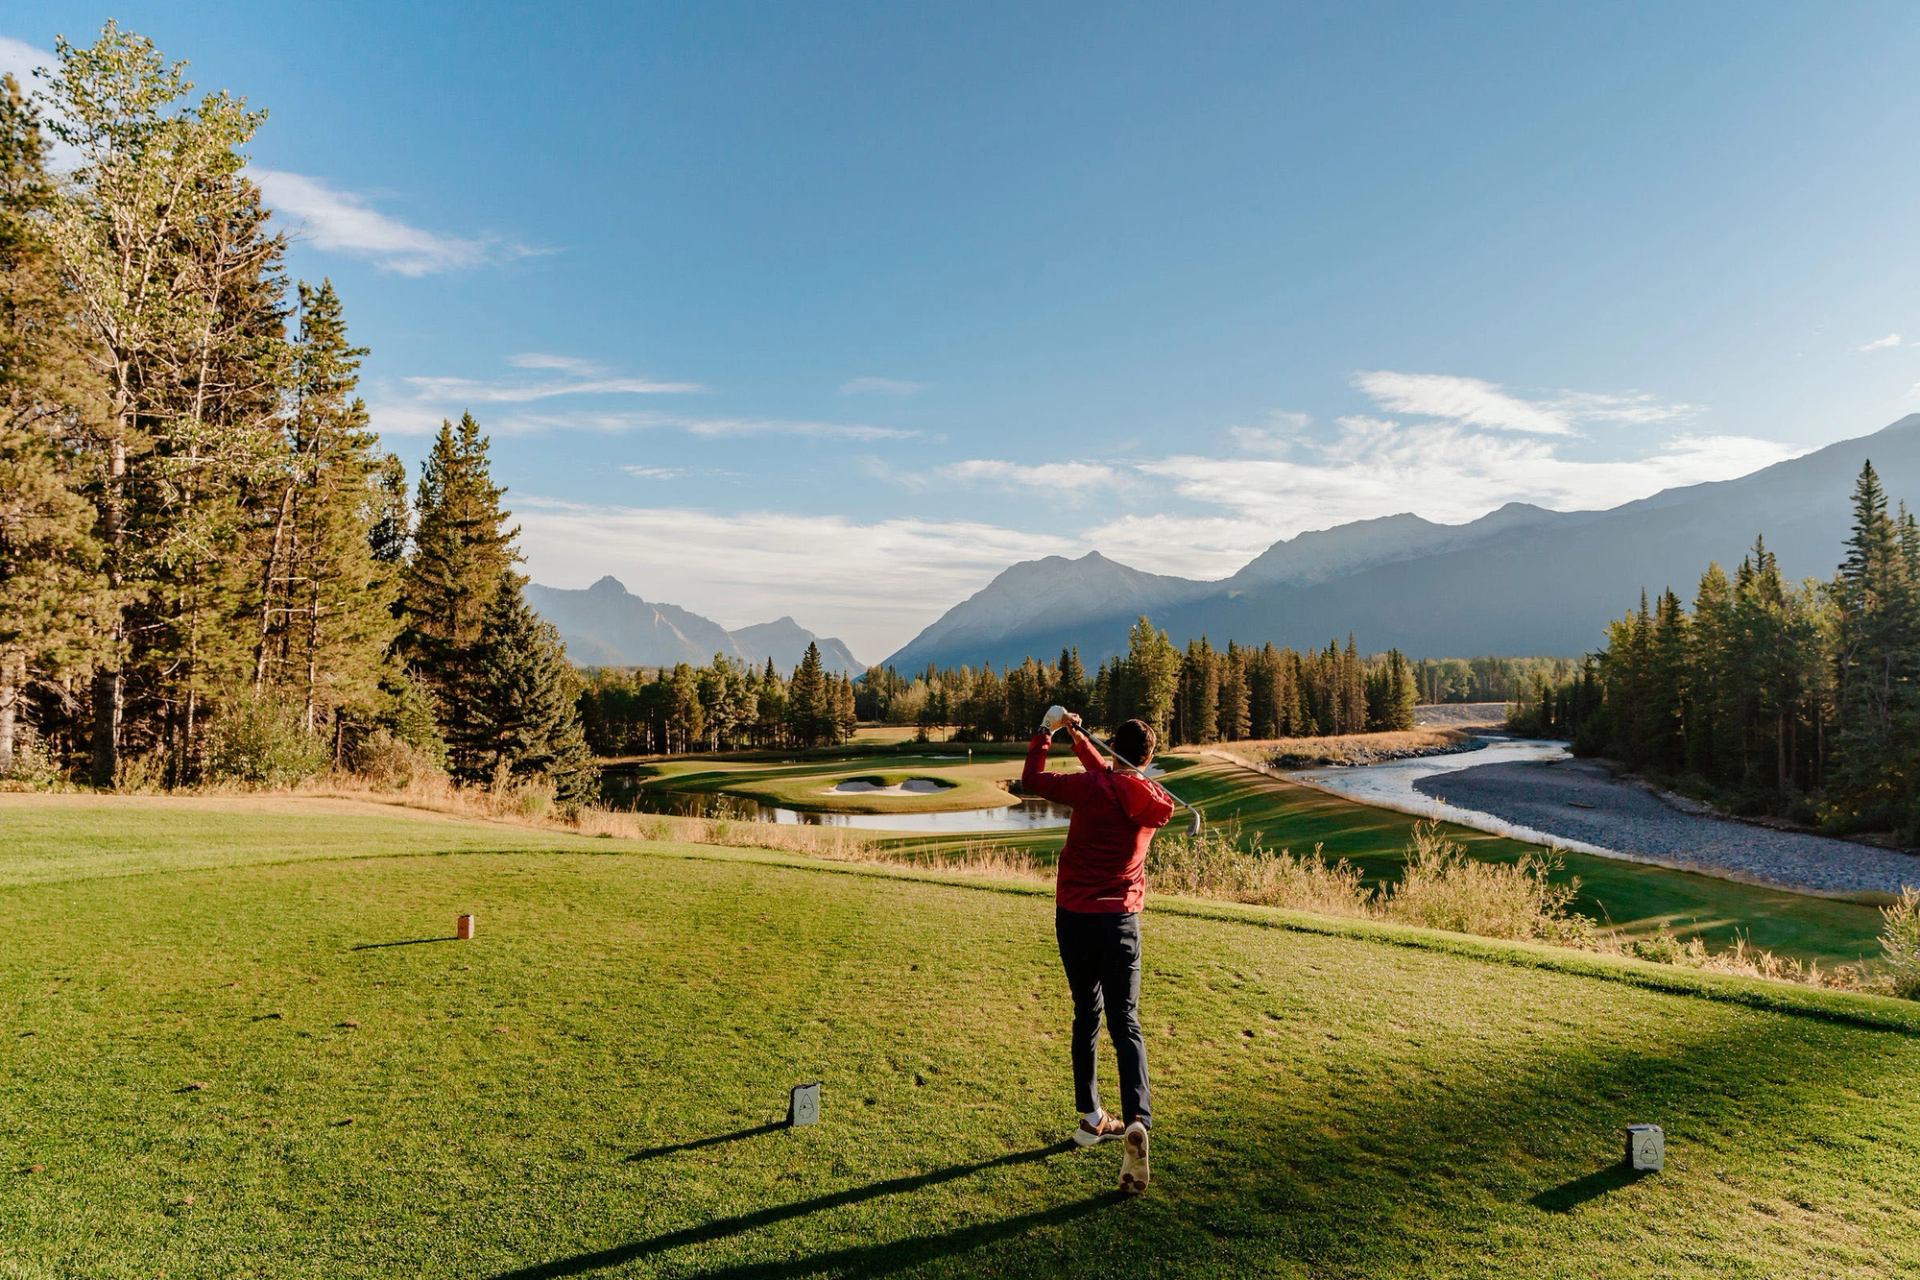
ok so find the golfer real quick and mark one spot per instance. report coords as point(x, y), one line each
point(1100, 888)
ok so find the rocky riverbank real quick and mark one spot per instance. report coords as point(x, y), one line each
point(1581, 802)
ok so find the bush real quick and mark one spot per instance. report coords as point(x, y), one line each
point(1214, 865)
point(141, 773)
point(520, 797)
point(260, 743)
point(1661, 948)
point(1900, 944)
point(1443, 888)
point(33, 769)
point(390, 762)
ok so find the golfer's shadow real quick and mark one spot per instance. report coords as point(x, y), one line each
point(864, 1259)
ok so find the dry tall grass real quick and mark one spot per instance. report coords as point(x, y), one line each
point(1342, 749)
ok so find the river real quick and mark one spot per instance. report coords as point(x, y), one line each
point(1536, 791)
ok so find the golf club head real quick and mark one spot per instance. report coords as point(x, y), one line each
point(1193, 827)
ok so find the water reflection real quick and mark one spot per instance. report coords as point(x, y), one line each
point(622, 791)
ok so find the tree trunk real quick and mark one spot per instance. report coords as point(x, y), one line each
point(11, 680)
point(267, 580)
point(109, 682)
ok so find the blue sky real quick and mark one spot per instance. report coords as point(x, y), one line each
point(835, 310)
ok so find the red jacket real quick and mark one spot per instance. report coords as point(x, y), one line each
point(1103, 867)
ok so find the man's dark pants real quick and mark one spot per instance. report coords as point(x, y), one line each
point(1101, 952)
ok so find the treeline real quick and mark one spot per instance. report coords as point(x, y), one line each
point(209, 569)
point(718, 707)
point(1798, 698)
point(1487, 679)
point(1197, 695)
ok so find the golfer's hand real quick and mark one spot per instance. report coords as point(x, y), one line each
point(1051, 721)
point(1073, 721)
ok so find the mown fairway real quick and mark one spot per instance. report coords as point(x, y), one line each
point(231, 1070)
point(1635, 899)
point(807, 781)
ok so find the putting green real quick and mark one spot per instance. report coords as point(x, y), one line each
point(238, 1041)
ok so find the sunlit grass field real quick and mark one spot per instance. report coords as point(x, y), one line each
point(1632, 898)
point(239, 1041)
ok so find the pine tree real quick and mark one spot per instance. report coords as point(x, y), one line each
point(1150, 677)
point(463, 554)
point(524, 721)
point(1236, 705)
point(325, 613)
point(1070, 686)
point(844, 718)
point(771, 721)
point(1401, 693)
point(50, 598)
point(1875, 659)
point(808, 708)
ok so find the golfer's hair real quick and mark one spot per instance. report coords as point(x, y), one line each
point(1134, 741)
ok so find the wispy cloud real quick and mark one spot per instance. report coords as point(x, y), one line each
point(1276, 434)
point(724, 428)
point(21, 60)
point(743, 567)
point(1881, 344)
point(560, 364)
point(339, 221)
point(484, 391)
point(654, 473)
point(1053, 476)
point(400, 418)
point(1443, 471)
point(881, 387)
point(416, 405)
point(1475, 402)
point(1629, 407)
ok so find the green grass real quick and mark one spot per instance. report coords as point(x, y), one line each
point(1634, 898)
point(807, 783)
point(589, 1087)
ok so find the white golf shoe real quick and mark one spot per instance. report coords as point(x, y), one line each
point(1133, 1169)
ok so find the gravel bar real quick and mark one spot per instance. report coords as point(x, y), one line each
point(1580, 801)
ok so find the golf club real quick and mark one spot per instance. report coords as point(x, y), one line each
point(1059, 720)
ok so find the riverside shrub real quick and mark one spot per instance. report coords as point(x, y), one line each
point(1900, 943)
point(1444, 888)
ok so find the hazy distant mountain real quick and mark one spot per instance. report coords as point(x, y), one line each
point(1324, 554)
point(1055, 596)
point(786, 641)
point(1519, 580)
point(606, 625)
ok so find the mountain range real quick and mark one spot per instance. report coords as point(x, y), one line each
point(1519, 580)
point(605, 625)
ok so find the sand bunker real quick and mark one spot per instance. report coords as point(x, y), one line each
point(911, 787)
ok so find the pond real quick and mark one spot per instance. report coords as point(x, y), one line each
point(621, 791)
